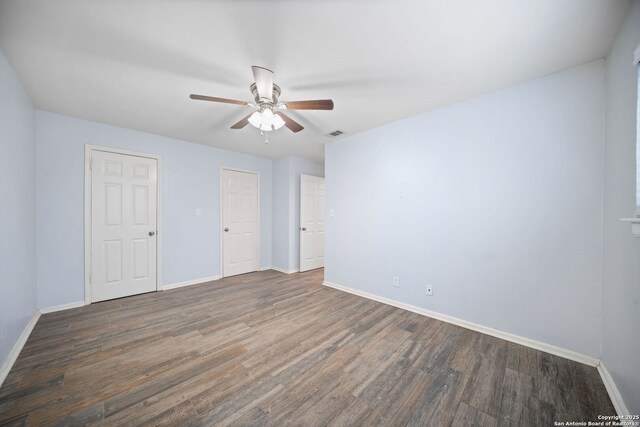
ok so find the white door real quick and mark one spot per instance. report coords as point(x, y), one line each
point(311, 222)
point(239, 222)
point(123, 225)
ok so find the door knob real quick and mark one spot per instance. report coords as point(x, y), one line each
point(226, 229)
point(303, 228)
point(152, 233)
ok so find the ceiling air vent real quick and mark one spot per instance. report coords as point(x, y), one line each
point(334, 134)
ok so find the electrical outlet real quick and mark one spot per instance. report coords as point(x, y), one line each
point(429, 290)
point(396, 282)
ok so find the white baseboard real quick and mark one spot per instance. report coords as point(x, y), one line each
point(62, 307)
point(614, 393)
point(17, 348)
point(282, 270)
point(265, 268)
point(538, 345)
point(190, 282)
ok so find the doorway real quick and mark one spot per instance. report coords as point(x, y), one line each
point(240, 221)
point(312, 195)
point(121, 223)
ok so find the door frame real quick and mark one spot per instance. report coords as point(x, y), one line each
point(300, 223)
point(220, 225)
point(88, 150)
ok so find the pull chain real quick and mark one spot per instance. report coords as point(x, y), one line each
point(266, 136)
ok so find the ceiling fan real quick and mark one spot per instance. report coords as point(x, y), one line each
point(269, 115)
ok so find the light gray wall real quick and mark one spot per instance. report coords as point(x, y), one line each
point(621, 275)
point(298, 166)
point(190, 179)
point(286, 208)
point(17, 209)
point(280, 251)
point(496, 202)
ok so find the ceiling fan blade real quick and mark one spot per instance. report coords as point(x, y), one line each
point(290, 123)
point(264, 82)
point(242, 123)
point(214, 99)
point(318, 104)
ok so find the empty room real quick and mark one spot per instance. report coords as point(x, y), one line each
point(319, 213)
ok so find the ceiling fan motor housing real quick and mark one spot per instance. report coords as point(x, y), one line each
point(276, 94)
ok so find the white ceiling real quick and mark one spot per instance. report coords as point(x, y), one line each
point(133, 63)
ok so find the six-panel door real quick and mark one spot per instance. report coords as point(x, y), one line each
point(123, 225)
point(311, 222)
point(239, 222)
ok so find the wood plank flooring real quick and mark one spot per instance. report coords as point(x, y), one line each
point(270, 349)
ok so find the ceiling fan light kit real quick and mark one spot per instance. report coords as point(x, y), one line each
point(269, 116)
point(265, 120)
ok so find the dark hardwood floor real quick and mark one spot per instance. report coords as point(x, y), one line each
point(273, 349)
